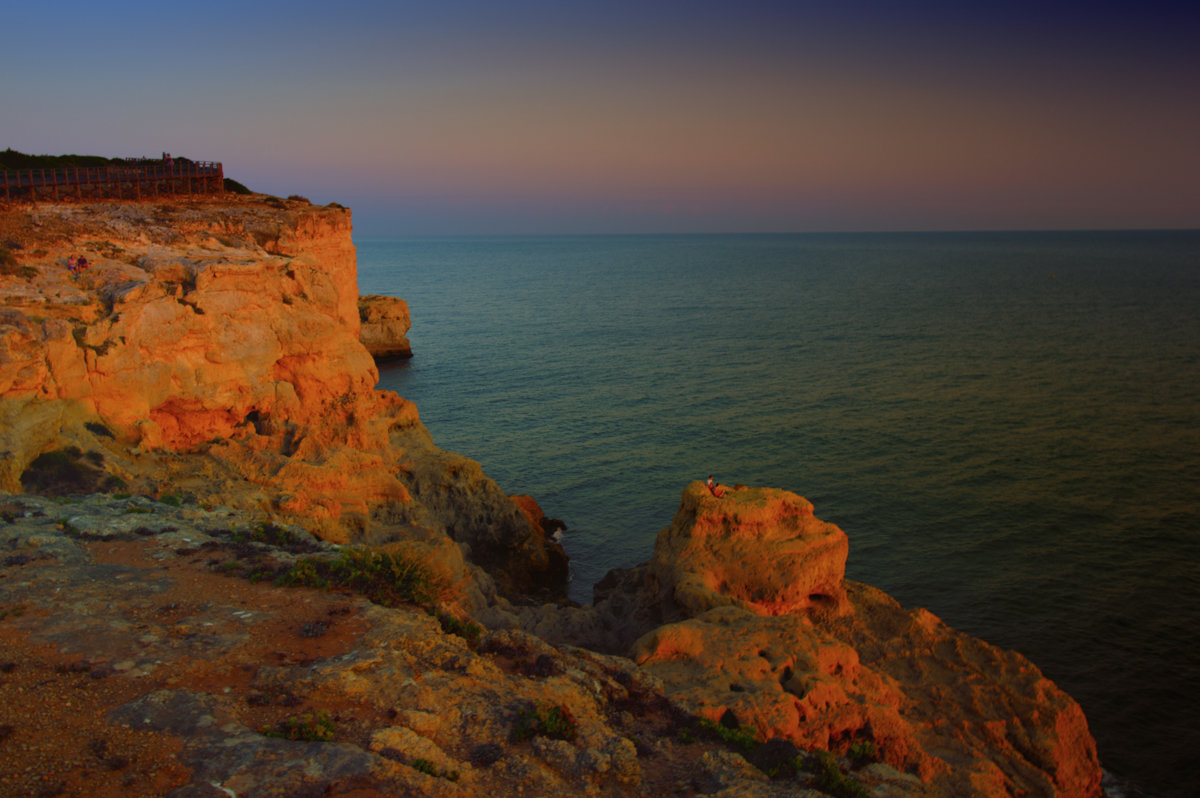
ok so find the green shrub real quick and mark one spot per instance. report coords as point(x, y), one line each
point(235, 187)
point(11, 159)
point(544, 720)
point(467, 630)
point(428, 768)
point(387, 578)
point(303, 574)
point(863, 753)
point(281, 538)
point(313, 727)
point(832, 780)
point(735, 737)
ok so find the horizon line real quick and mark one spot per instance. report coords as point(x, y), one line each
point(975, 231)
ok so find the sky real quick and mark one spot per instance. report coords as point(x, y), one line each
point(657, 116)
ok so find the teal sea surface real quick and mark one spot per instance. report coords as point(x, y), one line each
point(1006, 425)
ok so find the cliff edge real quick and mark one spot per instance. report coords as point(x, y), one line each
point(211, 348)
point(198, 404)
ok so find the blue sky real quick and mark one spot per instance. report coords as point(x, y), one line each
point(581, 117)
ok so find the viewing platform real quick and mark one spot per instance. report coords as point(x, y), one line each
point(133, 179)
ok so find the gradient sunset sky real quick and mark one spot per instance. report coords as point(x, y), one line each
point(460, 116)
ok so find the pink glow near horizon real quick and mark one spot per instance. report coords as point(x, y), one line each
point(662, 116)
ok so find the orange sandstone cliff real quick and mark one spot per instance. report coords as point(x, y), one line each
point(214, 351)
point(745, 613)
point(212, 348)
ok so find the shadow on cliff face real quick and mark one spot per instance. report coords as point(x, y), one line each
point(68, 471)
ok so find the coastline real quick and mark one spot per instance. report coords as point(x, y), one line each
point(321, 446)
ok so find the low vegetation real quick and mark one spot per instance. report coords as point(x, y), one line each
point(735, 737)
point(467, 630)
point(544, 720)
point(313, 727)
point(430, 769)
point(387, 578)
point(11, 159)
point(832, 780)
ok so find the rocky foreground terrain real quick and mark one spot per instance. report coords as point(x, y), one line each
point(230, 566)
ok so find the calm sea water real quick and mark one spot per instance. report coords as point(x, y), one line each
point(1004, 424)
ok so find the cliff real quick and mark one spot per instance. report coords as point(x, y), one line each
point(212, 348)
point(385, 324)
point(203, 396)
point(746, 617)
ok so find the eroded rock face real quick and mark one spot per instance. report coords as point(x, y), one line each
point(385, 324)
point(830, 663)
point(213, 348)
point(189, 321)
point(132, 666)
point(759, 549)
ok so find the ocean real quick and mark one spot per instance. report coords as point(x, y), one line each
point(1005, 424)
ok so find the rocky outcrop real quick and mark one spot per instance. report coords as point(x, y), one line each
point(830, 664)
point(212, 348)
point(190, 320)
point(138, 658)
point(762, 550)
point(385, 323)
point(212, 357)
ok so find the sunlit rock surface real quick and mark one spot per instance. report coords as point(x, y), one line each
point(212, 347)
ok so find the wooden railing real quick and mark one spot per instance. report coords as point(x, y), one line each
point(135, 179)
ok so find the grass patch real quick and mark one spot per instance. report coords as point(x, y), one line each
point(863, 753)
point(467, 630)
point(282, 538)
point(313, 727)
point(544, 720)
point(430, 769)
point(731, 736)
point(387, 578)
point(831, 779)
